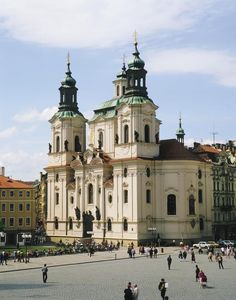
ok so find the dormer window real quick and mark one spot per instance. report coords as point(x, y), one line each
point(117, 90)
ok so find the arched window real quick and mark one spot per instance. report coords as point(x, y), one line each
point(148, 196)
point(201, 224)
point(57, 144)
point(125, 225)
point(110, 198)
point(57, 177)
point(171, 204)
point(70, 223)
point(125, 196)
point(90, 193)
point(57, 198)
point(123, 90)
point(118, 90)
point(56, 222)
point(148, 172)
point(126, 134)
point(191, 202)
point(109, 225)
point(200, 200)
point(77, 144)
point(100, 138)
point(71, 199)
point(147, 134)
point(125, 172)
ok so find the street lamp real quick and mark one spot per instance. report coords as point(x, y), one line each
point(26, 236)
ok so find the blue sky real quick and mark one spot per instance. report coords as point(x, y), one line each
point(189, 48)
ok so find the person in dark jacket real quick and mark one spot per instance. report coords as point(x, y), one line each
point(128, 294)
point(169, 261)
point(162, 288)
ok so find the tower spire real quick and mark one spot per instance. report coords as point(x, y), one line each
point(180, 132)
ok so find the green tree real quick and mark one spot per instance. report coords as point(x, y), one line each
point(1, 226)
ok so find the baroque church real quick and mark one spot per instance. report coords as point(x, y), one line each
point(127, 185)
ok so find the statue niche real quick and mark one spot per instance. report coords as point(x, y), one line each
point(98, 214)
point(77, 213)
point(87, 224)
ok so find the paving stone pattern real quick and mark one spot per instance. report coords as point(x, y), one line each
point(107, 279)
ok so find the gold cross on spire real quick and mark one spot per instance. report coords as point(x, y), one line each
point(135, 37)
point(68, 58)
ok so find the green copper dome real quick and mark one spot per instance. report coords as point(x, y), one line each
point(136, 62)
point(68, 81)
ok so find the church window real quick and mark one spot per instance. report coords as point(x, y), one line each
point(191, 205)
point(148, 172)
point(200, 198)
point(56, 222)
point(117, 90)
point(77, 144)
point(148, 196)
point(171, 204)
point(57, 198)
point(126, 134)
point(125, 225)
point(125, 196)
point(90, 193)
point(123, 90)
point(201, 224)
point(100, 137)
point(109, 225)
point(71, 199)
point(57, 144)
point(199, 174)
point(147, 134)
point(125, 172)
point(110, 198)
point(70, 223)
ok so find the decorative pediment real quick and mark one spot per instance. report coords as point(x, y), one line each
point(96, 161)
point(71, 185)
point(76, 163)
point(148, 183)
point(56, 188)
point(191, 189)
point(125, 184)
point(171, 190)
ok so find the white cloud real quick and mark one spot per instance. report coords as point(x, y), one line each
point(97, 23)
point(35, 115)
point(7, 133)
point(218, 64)
point(23, 165)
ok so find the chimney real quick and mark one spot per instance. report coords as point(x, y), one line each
point(2, 171)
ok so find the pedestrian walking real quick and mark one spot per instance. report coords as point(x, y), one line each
point(45, 273)
point(193, 256)
point(197, 271)
point(220, 262)
point(128, 294)
point(135, 292)
point(162, 288)
point(169, 261)
point(202, 279)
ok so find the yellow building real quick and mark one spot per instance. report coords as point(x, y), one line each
point(17, 208)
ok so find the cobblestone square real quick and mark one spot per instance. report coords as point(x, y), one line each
point(107, 280)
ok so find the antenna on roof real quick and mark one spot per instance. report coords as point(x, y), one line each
point(214, 133)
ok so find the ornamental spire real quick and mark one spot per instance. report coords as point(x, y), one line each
point(180, 132)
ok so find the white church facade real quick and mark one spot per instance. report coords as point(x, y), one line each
point(127, 185)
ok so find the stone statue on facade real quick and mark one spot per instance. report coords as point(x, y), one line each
point(136, 136)
point(116, 139)
point(49, 147)
point(66, 145)
point(77, 213)
point(98, 214)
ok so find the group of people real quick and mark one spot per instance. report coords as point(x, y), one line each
point(131, 292)
point(4, 257)
point(201, 277)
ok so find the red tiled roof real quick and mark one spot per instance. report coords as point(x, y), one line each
point(6, 182)
point(208, 149)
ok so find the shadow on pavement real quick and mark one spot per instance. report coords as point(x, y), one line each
point(15, 286)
